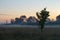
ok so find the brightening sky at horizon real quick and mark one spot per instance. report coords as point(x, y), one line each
point(10, 9)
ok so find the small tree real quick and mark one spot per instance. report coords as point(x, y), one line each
point(42, 17)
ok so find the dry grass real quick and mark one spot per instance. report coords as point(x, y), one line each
point(20, 33)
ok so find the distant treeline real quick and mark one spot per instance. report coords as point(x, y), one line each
point(33, 20)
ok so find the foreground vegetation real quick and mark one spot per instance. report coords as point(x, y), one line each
point(29, 33)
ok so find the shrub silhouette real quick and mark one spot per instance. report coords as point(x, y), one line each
point(42, 16)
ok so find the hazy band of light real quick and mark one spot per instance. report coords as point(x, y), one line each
point(15, 14)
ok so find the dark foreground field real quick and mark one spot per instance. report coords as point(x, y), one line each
point(29, 33)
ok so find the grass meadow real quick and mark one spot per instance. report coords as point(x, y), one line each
point(26, 33)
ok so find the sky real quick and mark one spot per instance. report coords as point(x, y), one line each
point(10, 9)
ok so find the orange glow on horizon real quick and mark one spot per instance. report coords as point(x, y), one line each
point(14, 14)
point(4, 18)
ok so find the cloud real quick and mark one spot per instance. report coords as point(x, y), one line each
point(3, 14)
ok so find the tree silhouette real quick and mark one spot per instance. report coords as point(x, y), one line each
point(12, 21)
point(58, 18)
point(42, 17)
